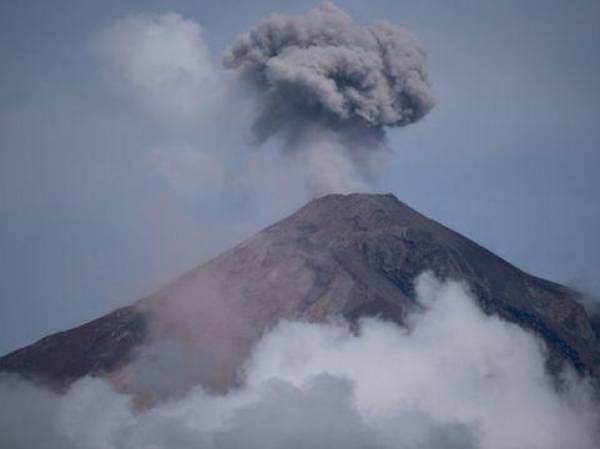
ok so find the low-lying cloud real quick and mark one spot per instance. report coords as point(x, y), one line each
point(453, 378)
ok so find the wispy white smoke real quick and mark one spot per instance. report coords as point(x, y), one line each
point(189, 169)
point(454, 378)
point(165, 62)
point(161, 64)
point(321, 75)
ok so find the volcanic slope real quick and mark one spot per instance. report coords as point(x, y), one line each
point(340, 255)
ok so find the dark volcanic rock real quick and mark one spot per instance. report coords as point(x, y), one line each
point(340, 255)
point(98, 347)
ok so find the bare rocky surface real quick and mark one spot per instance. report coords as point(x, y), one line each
point(340, 255)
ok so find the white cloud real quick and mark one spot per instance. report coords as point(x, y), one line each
point(453, 365)
point(454, 378)
point(164, 60)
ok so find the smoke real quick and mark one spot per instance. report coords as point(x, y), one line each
point(189, 169)
point(164, 62)
point(326, 90)
point(320, 77)
point(454, 378)
point(192, 119)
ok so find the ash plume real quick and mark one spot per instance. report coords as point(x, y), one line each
point(320, 73)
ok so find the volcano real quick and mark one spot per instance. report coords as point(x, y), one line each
point(344, 256)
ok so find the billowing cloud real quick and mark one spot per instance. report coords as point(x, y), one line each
point(321, 74)
point(454, 378)
point(165, 63)
point(321, 67)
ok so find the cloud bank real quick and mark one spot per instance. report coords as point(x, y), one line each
point(454, 378)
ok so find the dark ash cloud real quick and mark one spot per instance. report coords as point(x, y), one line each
point(321, 69)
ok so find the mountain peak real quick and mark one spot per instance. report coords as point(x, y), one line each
point(347, 220)
point(367, 200)
point(336, 208)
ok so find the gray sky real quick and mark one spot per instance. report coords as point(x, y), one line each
point(107, 190)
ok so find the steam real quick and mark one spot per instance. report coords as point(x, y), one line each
point(320, 77)
point(164, 61)
point(455, 378)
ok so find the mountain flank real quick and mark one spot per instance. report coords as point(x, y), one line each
point(339, 256)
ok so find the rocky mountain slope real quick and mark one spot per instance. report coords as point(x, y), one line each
point(340, 255)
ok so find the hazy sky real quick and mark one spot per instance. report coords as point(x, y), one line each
point(113, 181)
